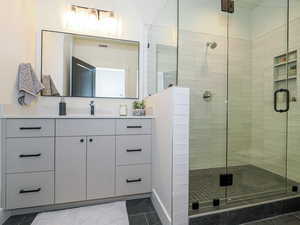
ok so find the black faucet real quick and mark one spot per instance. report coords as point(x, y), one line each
point(92, 106)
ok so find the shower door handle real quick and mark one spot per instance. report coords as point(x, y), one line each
point(287, 100)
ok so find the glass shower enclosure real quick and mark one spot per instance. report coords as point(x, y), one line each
point(240, 60)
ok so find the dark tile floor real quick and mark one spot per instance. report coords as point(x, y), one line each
point(248, 181)
point(251, 213)
point(140, 212)
point(291, 219)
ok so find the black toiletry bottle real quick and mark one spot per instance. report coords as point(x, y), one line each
point(92, 105)
point(62, 107)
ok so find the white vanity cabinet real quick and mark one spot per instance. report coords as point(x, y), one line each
point(63, 160)
point(27, 162)
point(101, 166)
point(70, 169)
point(85, 168)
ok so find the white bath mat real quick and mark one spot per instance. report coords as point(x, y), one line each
point(106, 214)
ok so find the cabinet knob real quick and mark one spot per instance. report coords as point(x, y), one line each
point(81, 140)
point(91, 140)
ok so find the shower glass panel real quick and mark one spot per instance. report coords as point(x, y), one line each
point(243, 75)
point(257, 68)
point(162, 48)
point(294, 115)
point(203, 68)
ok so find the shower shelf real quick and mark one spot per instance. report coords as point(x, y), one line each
point(284, 63)
point(285, 71)
point(284, 79)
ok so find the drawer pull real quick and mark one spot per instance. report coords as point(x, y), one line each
point(134, 127)
point(134, 150)
point(30, 155)
point(134, 181)
point(30, 128)
point(29, 191)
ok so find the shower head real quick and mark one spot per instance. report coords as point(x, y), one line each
point(212, 45)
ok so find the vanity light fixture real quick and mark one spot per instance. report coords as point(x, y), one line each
point(99, 14)
point(87, 19)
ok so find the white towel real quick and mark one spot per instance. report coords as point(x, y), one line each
point(106, 214)
point(28, 84)
point(50, 88)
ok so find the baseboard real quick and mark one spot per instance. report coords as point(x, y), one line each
point(4, 215)
point(160, 209)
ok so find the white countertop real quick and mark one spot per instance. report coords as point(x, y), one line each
point(73, 117)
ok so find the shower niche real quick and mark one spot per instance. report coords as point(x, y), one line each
point(285, 73)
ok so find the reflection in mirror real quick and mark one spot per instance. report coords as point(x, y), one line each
point(84, 66)
point(166, 66)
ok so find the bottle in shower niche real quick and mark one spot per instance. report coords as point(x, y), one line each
point(62, 107)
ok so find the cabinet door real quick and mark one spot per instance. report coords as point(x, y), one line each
point(70, 176)
point(101, 154)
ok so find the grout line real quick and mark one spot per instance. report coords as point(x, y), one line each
point(137, 214)
point(148, 222)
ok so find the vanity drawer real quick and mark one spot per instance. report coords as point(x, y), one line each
point(135, 179)
point(134, 126)
point(28, 190)
point(84, 127)
point(133, 149)
point(29, 154)
point(30, 128)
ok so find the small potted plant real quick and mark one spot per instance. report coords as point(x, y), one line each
point(139, 108)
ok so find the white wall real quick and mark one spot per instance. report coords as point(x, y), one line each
point(170, 168)
point(17, 43)
point(269, 15)
point(23, 30)
point(205, 16)
point(162, 152)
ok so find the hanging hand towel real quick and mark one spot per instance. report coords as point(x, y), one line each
point(28, 85)
point(50, 88)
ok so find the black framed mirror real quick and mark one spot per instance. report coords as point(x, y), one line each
point(75, 65)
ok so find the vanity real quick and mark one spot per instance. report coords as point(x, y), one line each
point(54, 160)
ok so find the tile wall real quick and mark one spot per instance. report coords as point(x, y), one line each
point(204, 69)
point(256, 132)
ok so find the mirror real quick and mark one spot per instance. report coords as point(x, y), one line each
point(75, 65)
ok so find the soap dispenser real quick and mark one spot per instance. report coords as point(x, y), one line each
point(92, 108)
point(62, 107)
